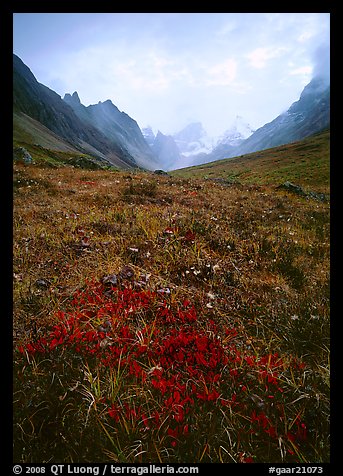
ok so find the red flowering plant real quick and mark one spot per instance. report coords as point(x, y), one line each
point(160, 380)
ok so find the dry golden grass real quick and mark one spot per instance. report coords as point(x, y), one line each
point(305, 162)
point(253, 256)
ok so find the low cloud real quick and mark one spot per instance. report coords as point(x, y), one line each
point(260, 56)
point(321, 62)
point(222, 74)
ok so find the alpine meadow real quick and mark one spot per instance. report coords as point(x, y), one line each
point(164, 314)
point(168, 319)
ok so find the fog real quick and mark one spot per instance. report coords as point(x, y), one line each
point(321, 61)
point(168, 70)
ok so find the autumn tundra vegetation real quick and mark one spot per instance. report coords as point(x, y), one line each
point(171, 319)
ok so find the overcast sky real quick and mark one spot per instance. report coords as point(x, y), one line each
point(169, 69)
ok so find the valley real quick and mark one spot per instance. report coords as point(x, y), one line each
point(305, 162)
point(156, 315)
point(179, 317)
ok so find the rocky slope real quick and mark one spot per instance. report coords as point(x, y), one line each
point(101, 130)
point(116, 126)
point(307, 116)
point(165, 148)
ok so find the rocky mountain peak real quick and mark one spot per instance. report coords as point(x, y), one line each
point(316, 86)
point(99, 130)
point(72, 99)
point(148, 135)
point(165, 148)
point(75, 97)
point(108, 102)
point(237, 132)
point(192, 132)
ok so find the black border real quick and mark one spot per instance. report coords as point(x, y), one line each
point(6, 238)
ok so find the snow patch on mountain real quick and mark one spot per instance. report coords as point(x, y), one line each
point(236, 134)
point(194, 144)
point(193, 140)
point(148, 135)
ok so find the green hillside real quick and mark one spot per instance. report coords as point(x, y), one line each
point(47, 148)
point(33, 132)
point(306, 162)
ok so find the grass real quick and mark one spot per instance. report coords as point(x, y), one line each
point(168, 319)
point(306, 162)
point(57, 158)
point(32, 132)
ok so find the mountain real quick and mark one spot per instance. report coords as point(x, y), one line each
point(305, 117)
point(101, 131)
point(305, 163)
point(46, 107)
point(196, 146)
point(228, 142)
point(118, 127)
point(236, 134)
point(193, 140)
point(28, 130)
point(165, 148)
point(148, 135)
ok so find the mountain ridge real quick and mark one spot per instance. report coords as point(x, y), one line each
point(124, 147)
point(306, 116)
point(108, 134)
point(116, 126)
point(305, 162)
point(166, 149)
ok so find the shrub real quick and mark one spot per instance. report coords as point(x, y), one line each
point(135, 377)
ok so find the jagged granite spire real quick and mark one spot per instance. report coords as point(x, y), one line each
point(72, 99)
